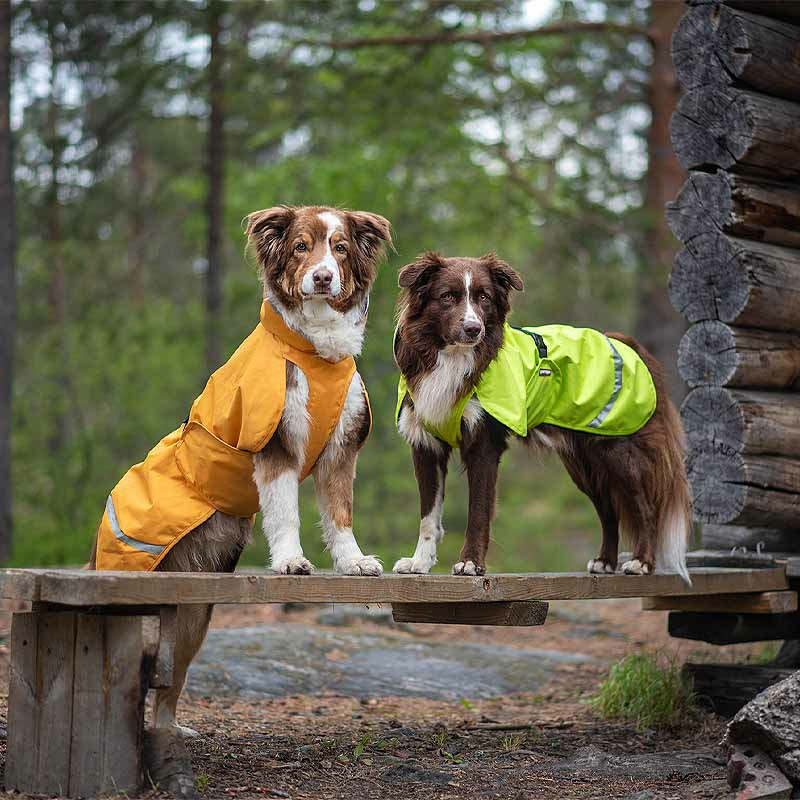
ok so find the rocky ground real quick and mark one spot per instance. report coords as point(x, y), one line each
point(339, 702)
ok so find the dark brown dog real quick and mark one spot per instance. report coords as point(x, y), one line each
point(451, 314)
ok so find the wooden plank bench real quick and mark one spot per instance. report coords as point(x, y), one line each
point(93, 643)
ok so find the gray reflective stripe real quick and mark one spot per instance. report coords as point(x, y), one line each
point(155, 549)
point(600, 418)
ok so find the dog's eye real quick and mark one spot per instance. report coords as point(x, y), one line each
point(300, 247)
point(447, 297)
point(340, 248)
point(482, 296)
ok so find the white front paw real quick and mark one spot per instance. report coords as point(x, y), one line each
point(636, 567)
point(365, 565)
point(413, 566)
point(467, 568)
point(297, 565)
point(597, 565)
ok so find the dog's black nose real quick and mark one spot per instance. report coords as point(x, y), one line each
point(322, 278)
point(473, 329)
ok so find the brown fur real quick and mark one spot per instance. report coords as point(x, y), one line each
point(633, 481)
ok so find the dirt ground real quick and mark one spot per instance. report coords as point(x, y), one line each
point(545, 745)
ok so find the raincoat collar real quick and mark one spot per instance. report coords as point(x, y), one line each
point(274, 323)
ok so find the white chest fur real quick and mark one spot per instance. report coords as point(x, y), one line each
point(438, 390)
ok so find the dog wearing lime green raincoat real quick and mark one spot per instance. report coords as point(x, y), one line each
point(470, 381)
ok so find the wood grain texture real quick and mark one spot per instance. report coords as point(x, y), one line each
point(709, 204)
point(766, 423)
point(520, 613)
point(733, 628)
point(727, 687)
point(83, 588)
point(737, 130)
point(737, 281)
point(756, 603)
point(713, 353)
point(718, 45)
point(779, 9)
point(733, 489)
point(772, 540)
point(40, 703)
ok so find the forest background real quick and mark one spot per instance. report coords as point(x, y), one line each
point(135, 136)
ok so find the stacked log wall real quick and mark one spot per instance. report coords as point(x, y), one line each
point(737, 277)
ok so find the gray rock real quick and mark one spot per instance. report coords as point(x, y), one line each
point(645, 765)
point(408, 773)
point(277, 660)
point(754, 775)
point(343, 615)
point(770, 721)
point(647, 794)
point(790, 764)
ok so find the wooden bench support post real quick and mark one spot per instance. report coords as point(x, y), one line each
point(77, 689)
point(520, 613)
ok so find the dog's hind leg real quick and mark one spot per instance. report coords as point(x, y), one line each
point(214, 546)
point(190, 632)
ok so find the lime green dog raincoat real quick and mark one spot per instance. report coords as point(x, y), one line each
point(574, 378)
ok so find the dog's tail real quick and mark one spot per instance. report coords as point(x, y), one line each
point(675, 529)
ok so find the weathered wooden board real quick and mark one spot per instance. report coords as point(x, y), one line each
point(520, 613)
point(729, 488)
point(737, 281)
point(766, 423)
point(756, 603)
point(40, 703)
point(713, 203)
point(737, 130)
point(772, 540)
point(83, 588)
point(717, 45)
point(727, 687)
point(733, 628)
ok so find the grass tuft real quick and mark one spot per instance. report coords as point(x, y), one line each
point(642, 689)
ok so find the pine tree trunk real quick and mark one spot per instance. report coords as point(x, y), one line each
point(215, 175)
point(8, 307)
point(659, 327)
point(57, 289)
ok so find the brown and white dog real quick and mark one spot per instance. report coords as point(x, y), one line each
point(317, 267)
point(451, 314)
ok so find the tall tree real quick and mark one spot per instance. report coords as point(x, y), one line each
point(659, 326)
point(215, 162)
point(8, 308)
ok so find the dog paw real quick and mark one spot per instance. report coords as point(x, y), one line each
point(182, 730)
point(597, 565)
point(467, 568)
point(416, 566)
point(366, 565)
point(299, 565)
point(636, 567)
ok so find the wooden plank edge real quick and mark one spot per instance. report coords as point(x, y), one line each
point(521, 613)
point(755, 603)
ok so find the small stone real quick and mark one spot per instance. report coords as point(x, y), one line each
point(790, 764)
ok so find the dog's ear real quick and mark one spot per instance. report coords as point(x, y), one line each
point(266, 232)
point(503, 274)
point(371, 234)
point(419, 272)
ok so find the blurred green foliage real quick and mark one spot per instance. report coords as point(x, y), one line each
point(531, 147)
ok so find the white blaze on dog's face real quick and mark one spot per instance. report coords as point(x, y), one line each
point(317, 253)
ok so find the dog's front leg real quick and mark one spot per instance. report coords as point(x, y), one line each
point(277, 477)
point(333, 482)
point(481, 454)
point(430, 467)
